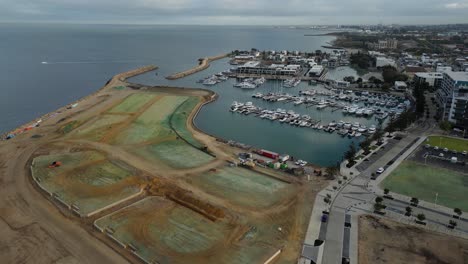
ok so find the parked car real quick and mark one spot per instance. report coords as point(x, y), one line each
point(324, 218)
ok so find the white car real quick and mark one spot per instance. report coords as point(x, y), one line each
point(380, 170)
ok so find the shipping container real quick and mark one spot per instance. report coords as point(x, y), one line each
point(269, 154)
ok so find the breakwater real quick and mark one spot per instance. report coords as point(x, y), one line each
point(203, 64)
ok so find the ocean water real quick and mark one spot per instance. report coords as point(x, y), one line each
point(81, 58)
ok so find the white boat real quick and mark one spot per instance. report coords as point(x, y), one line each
point(247, 85)
point(259, 81)
point(291, 82)
point(321, 106)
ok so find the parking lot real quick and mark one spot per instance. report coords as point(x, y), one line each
point(442, 158)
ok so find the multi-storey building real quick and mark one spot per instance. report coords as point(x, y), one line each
point(433, 79)
point(384, 44)
point(453, 98)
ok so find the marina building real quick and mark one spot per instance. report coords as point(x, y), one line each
point(433, 79)
point(453, 98)
point(316, 71)
point(254, 67)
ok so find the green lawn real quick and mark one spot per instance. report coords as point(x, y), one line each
point(422, 181)
point(448, 142)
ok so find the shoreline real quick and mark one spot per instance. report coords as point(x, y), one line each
point(122, 77)
point(204, 63)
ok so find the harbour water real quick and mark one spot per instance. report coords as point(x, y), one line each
point(80, 59)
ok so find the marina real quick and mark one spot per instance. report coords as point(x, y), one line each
point(360, 104)
point(289, 117)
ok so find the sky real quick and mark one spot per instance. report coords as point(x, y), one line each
point(236, 12)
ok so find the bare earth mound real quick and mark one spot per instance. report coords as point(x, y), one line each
point(385, 241)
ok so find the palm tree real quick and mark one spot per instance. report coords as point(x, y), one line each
point(458, 211)
point(421, 217)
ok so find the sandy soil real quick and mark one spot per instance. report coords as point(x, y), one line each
point(385, 241)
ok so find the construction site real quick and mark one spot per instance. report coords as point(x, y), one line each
point(128, 165)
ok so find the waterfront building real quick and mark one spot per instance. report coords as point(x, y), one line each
point(453, 98)
point(254, 67)
point(433, 79)
point(316, 71)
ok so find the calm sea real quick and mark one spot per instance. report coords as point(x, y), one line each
point(81, 58)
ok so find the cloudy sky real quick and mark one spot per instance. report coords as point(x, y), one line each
point(236, 12)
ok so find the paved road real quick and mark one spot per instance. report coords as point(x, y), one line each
point(359, 195)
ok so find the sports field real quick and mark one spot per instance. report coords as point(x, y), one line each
point(85, 179)
point(423, 181)
point(448, 142)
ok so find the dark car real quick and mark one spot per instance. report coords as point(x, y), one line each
point(324, 218)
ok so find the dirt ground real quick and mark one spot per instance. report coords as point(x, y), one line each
point(29, 215)
point(385, 241)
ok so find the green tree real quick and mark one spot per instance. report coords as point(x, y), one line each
point(452, 223)
point(446, 126)
point(332, 171)
point(409, 210)
point(421, 217)
point(378, 199)
point(378, 207)
point(349, 155)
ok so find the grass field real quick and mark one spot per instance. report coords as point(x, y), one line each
point(448, 142)
point(243, 186)
point(132, 103)
point(422, 181)
point(176, 153)
point(161, 229)
point(153, 123)
point(179, 120)
point(96, 129)
point(86, 179)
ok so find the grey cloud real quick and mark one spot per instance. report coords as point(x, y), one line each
point(236, 11)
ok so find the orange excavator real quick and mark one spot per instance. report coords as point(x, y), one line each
point(55, 164)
